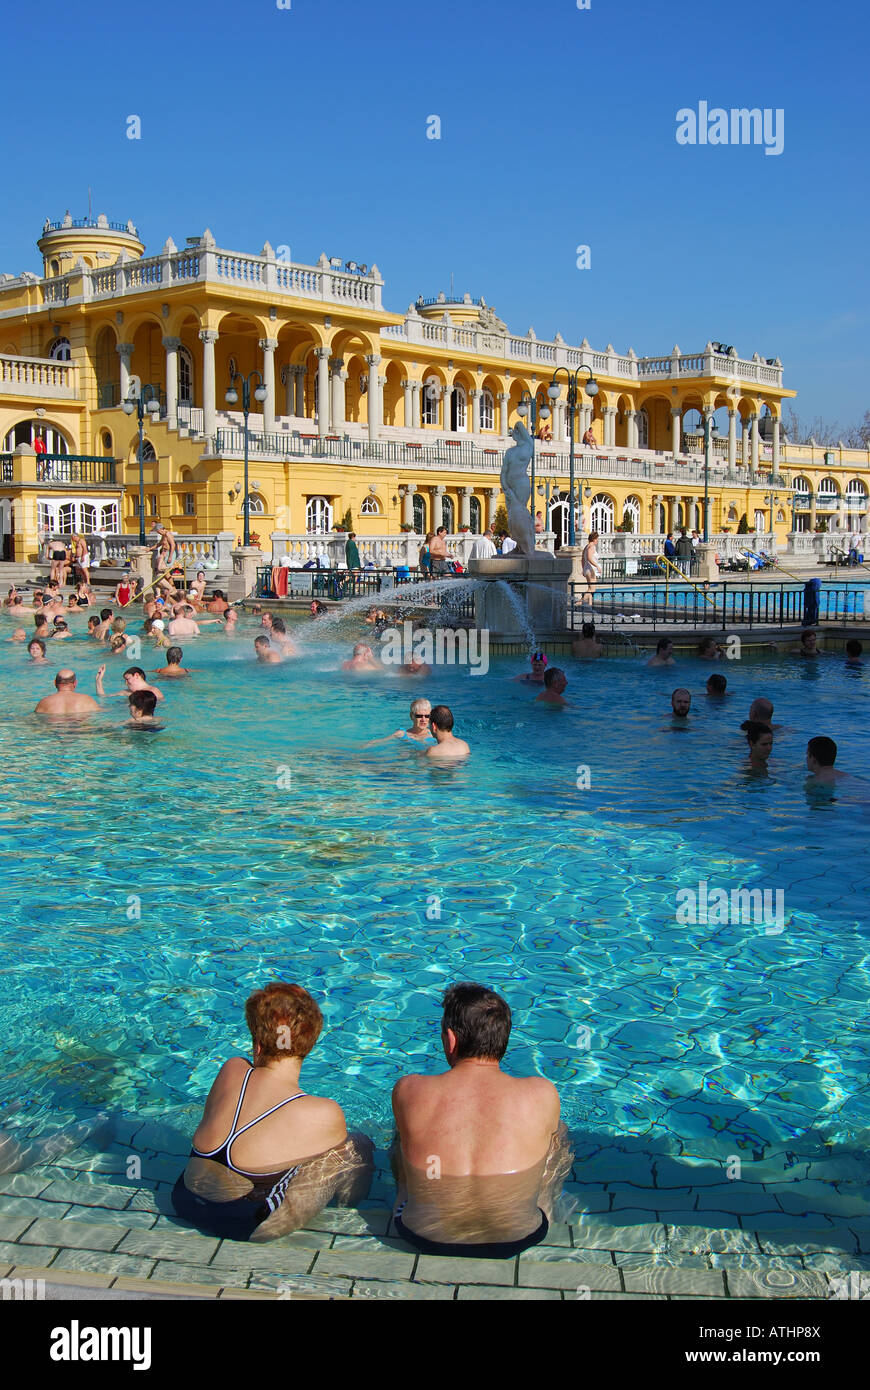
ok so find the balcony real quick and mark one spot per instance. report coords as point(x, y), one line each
point(40, 377)
point(58, 470)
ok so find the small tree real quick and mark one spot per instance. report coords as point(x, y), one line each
point(627, 521)
point(501, 524)
point(743, 526)
point(347, 521)
point(822, 526)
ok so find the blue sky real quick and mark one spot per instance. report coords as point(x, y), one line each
point(307, 127)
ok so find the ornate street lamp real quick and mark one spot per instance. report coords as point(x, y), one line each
point(232, 396)
point(710, 429)
point(591, 388)
point(145, 402)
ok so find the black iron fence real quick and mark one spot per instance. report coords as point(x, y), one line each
point(724, 605)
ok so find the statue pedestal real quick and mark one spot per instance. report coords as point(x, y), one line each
point(243, 581)
point(140, 565)
point(522, 596)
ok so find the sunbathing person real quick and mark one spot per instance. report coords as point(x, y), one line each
point(266, 1156)
point(493, 1142)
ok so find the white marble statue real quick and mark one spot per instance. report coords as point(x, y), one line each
point(517, 489)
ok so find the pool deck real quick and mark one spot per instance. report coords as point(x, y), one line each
point(640, 1232)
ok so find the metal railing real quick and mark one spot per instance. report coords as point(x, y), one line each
point(329, 583)
point(66, 468)
point(724, 605)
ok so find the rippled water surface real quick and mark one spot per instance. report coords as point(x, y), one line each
point(150, 881)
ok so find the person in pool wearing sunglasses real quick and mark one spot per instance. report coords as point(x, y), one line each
point(538, 671)
point(419, 731)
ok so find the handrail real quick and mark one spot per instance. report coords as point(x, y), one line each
point(663, 560)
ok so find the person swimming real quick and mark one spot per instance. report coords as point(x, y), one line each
point(681, 703)
point(538, 671)
point(760, 740)
point(363, 659)
point(555, 682)
point(143, 703)
point(173, 670)
point(266, 1156)
point(447, 747)
point(265, 652)
point(419, 731)
point(716, 685)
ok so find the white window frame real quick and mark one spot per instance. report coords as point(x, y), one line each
point(487, 410)
point(602, 507)
point(318, 516)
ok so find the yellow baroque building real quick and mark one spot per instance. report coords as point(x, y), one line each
point(400, 418)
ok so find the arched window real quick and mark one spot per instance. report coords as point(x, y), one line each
point(458, 409)
point(67, 517)
point(447, 512)
point(185, 376)
point(642, 428)
point(856, 491)
point(474, 514)
point(601, 514)
point(318, 516)
point(558, 520)
point(803, 493)
point(487, 411)
point(106, 441)
point(419, 505)
point(256, 504)
point(631, 511)
point(59, 350)
point(760, 521)
point(88, 518)
point(149, 454)
point(55, 267)
point(828, 488)
point(109, 517)
point(370, 507)
point(26, 431)
point(732, 513)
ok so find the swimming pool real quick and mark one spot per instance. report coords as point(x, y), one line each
point(151, 881)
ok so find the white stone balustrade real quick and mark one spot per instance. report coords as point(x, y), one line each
point(38, 376)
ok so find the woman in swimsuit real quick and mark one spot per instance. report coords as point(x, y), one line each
point(124, 592)
point(267, 1156)
point(419, 731)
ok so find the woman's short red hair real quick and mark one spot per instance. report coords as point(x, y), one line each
point(284, 1021)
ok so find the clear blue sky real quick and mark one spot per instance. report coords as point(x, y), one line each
point(307, 127)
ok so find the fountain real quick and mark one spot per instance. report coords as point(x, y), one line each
point(525, 591)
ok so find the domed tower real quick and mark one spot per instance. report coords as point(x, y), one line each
point(96, 240)
point(463, 313)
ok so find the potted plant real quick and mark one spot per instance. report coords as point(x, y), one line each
point(405, 526)
point(463, 529)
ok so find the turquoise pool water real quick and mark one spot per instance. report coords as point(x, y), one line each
point(700, 1040)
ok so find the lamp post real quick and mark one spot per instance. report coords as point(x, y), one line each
point(591, 388)
point(584, 490)
point(232, 397)
point(771, 499)
point(145, 402)
point(710, 429)
point(528, 405)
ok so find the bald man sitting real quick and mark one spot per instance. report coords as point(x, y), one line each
point(66, 699)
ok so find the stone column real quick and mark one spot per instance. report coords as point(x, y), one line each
point(675, 513)
point(744, 444)
point(408, 391)
point(171, 346)
point(654, 517)
point(408, 504)
point(337, 416)
point(631, 429)
point(446, 394)
point(676, 430)
point(382, 383)
point(299, 382)
point(474, 394)
point(373, 360)
point(415, 405)
point(754, 443)
point(465, 496)
point(322, 391)
point(775, 445)
point(491, 505)
point(288, 378)
point(609, 413)
point(732, 439)
point(813, 507)
point(125, 352)
point(208, 337)
point(503, 400)
point(268, 346)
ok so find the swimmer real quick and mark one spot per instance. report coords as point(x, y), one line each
point(231, 622)
point(72, 604)
point(134, 679)
point(710, 650)
point(281, 639)
point(538, 671)
point(117, 644)
point(681, 703)
point(218, 603)
point(40, 624)
point(809, 644)
point(664, 653)
point(415, 668)
point(93, 624)
point(182, 624)
point(421, 711)
point(158, 633)
point(197, 589)
point(19, 635)
point(853, 654)
point(761, 712)
point(266, 623)
point(447, 748)
point(61, 630)
point(66, 699)
point(101, 630)
point(11, 600)
point(256, 610)
point(36, 651)
point(265, 652)
point(317, 610)
point(716, 685)
point(142, 706)
point(555, 681)
point(821, 756)
point(587, 646)
point(760, 740)
point(363, 659)
point(173, 670)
